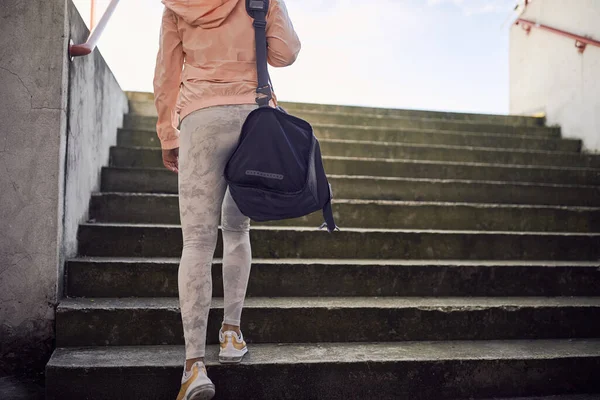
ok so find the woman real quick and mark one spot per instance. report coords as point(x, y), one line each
point(206, 78)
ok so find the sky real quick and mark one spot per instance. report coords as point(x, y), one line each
point(418, 54)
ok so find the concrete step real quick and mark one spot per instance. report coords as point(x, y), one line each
point(559, 397)
point(133, 240)
point(128, 137)
point(386, 188)
point(448, 170)
point(152, 157)
point(152, 321)
point(464, 171)
point(151, 277)
point(133, 121)
point(142, 104)
point(317, 117)
point(377, 167)
point(390, 112)
point(386, 371)
point(164, 209)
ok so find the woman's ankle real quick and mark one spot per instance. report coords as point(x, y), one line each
point(234, 328)
point(189, 363)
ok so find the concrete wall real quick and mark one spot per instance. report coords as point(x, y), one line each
point(37, 179)
point(96, 108)
point(548, 74)
point(33, 115)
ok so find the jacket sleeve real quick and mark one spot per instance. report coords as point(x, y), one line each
point(282, 40)
point(167, 79)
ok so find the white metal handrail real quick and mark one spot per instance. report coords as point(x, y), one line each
point(77, 50)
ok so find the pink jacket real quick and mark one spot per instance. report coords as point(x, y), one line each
point(207, 57)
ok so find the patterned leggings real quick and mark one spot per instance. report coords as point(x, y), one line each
point(208, 138)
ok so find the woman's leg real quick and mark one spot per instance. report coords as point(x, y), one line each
point(237, 258)
point(208, 137)
point(237, 253)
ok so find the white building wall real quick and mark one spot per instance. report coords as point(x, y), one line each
point(547, 73)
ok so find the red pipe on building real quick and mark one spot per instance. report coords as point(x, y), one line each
point(580, 41)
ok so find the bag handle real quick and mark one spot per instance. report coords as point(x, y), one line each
point(257, 9)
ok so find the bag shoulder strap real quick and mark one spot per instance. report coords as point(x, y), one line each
point(258, 9)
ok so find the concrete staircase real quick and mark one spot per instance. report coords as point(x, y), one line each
point(467, 267)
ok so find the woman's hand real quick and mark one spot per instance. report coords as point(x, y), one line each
point(171, 159)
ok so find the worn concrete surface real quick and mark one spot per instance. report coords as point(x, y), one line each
point(427, 169)
point(22, 387)
point(141, 208)
point(126, 240)
point(470, 117)
point(400, 160)
point(388, 371)
point(309, 270)
point(445, 137)
point(459, 170)
point(448, 304)
point(33, 115)
point(96, 108)
point(425, 123)
point(148, 277)
point(422, 136)
point(559, 397)
point(132, 137)
point(152, 321)
point(273, 353)
point(142, 103)
point(150, 156)
point(133, 121)
point(152, 180)
point(55, 139)
point(497, 155)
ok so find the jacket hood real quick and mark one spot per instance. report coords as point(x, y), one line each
point(204, 13)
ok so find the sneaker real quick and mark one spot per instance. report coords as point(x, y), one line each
point(195, 384)
point(233, 347)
